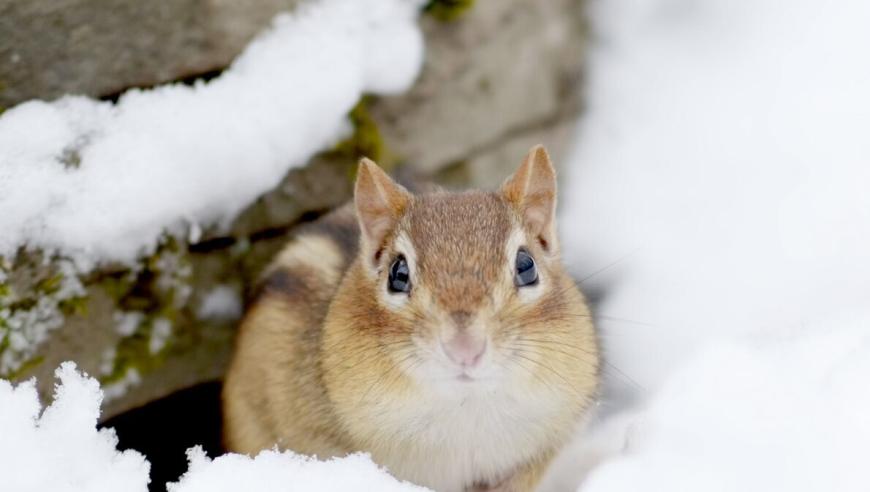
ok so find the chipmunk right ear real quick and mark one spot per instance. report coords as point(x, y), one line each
point(380, 203)
point(532, 192)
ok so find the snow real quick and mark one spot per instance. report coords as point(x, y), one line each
point(160, 331)
point(127, 322)
point(273, 471)
point(118, 388)
point(99, 182)
point(222, 302)
point(717, 204)
point(721, 173)
point(755, 416)
point(62, 450)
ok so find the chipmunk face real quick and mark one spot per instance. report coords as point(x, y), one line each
point(468, 286)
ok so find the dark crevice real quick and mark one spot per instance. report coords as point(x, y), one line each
point(188, 80)
point(225, 242)
point(164, 429)
point(212, 245)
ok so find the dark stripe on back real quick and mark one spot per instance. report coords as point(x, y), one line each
point(341, 226)
point(303, 282)
point(284, 283)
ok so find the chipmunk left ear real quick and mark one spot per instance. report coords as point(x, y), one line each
point(380, 203)
point(532, 192)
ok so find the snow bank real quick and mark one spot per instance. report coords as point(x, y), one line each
point(61, 450)
point(99, 181)
point(718, 203)
point(721, 173)
point(274, 471)
point(755, 416)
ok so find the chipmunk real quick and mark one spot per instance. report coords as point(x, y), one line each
point(438, 332)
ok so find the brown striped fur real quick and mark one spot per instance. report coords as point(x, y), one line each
point(329, 362)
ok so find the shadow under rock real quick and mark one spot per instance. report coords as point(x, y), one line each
point(164, 429)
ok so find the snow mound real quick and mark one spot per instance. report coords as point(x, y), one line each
point(755, 416)
point(99, 181)
point(716, 206)
point(61, 449)
point(720, 181)
point(284, 471)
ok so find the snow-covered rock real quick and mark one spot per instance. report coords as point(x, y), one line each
point(101, 181)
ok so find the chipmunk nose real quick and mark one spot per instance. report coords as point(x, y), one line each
point(465, 349)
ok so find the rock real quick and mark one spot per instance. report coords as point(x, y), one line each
point(503, 76)
point(505, 70)
point(53, 47)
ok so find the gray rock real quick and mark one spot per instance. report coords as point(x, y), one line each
point(507, 68)
point(53, 47)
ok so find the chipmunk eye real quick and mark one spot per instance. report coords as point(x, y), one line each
point(527, 272)
point(400, 276)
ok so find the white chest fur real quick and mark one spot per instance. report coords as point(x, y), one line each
point(465, 434)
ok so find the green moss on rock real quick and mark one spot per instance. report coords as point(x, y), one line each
point(366, 140)
point(151, 301)
point(37, 293)
point(448, 10)
point(134, 352)
point(24, 368)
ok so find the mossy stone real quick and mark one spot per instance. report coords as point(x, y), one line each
point(448, 10)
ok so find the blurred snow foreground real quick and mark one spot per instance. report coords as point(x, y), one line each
point(772, 415)
point(61, 450)
point(101, 181)
point(718, 198)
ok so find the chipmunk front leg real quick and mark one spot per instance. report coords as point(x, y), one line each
point(525, 479)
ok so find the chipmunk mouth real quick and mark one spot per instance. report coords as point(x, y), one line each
point(456, 364)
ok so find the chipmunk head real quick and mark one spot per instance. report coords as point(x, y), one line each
point(466, 286)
